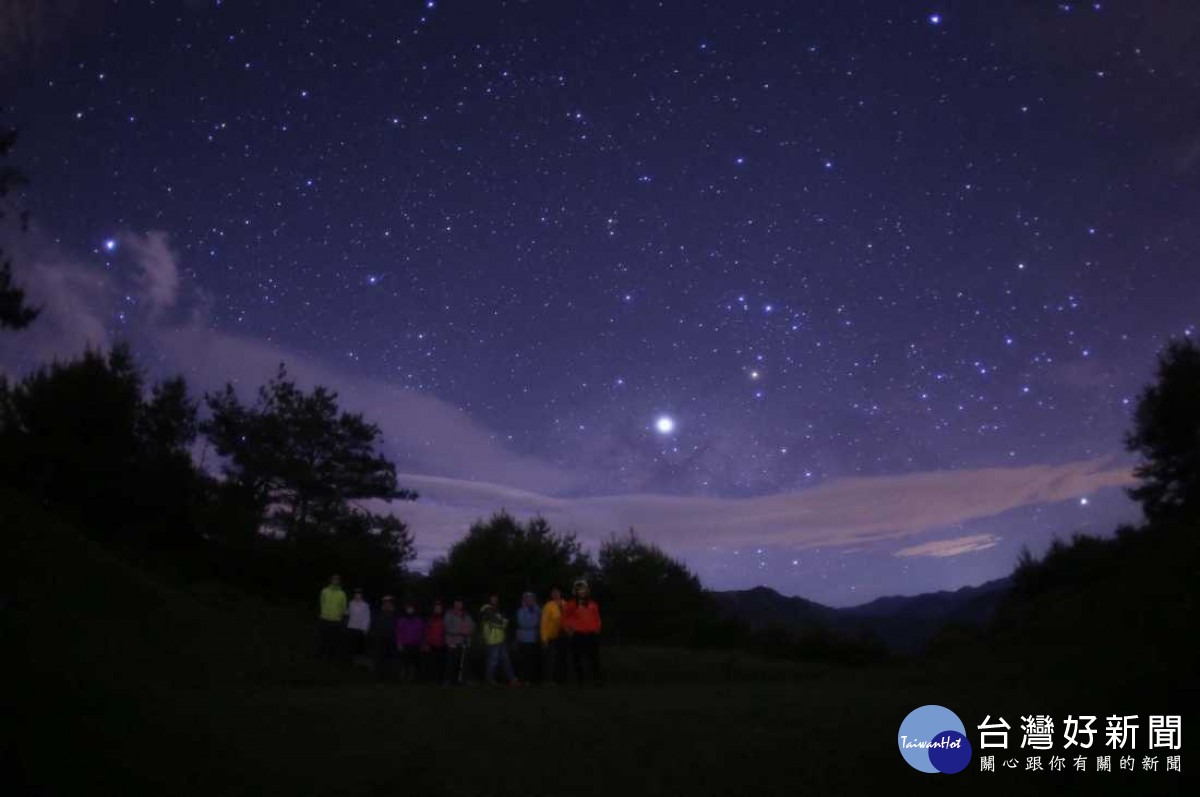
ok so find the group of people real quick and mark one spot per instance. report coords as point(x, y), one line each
point(409, 646)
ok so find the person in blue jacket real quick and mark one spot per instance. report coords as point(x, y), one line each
point(529, 654)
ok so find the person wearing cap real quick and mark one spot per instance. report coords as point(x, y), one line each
point(433, 648)
point(581, 622)
point(459, 628)
point(529, 619)
point(359, 624)
point(553, 639)
point(331, 613)
point(495, 633)
point(410, 635)
point(383, 639)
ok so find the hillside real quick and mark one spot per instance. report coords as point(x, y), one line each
point(763, 606)
point(136, 683)
point(71, 600)
point(149, 684)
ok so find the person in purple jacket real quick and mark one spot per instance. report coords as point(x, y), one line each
point(410, 633)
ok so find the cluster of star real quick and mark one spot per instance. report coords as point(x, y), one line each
point(744, 255)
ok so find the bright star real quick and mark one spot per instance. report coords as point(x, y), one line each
point(935, 19)
point(1083, 502)
point(665, 424)
point(110, 244)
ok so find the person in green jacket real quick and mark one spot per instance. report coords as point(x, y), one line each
point(495, 630)
point(331, 616)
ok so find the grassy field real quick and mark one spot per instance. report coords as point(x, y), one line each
point(128, 683)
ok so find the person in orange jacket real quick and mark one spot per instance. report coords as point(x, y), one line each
point(581, 623)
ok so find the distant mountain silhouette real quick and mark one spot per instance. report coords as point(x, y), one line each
point(904, 623)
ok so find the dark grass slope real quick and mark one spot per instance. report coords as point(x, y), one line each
point(130, 683)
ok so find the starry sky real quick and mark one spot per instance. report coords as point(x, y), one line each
point(844, 298)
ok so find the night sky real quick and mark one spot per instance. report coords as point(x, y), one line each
point(844, 298)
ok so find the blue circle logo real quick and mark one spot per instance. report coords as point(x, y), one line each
point(933, 739)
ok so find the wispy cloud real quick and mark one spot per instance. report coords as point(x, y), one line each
point(952, 547)
point(840, 513)
point(158, 275)
point(420, 431)
point(77, 304)
point(85, 305)
point(461, 470)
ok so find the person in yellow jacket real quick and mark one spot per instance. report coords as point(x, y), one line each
point(553, 641)
point(331, 613)
point(494, 627)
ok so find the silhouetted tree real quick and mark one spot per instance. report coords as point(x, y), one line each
point(1166, 434)
point(505, 556)
point(167, 422)
point(15, 312)
point(298, 457)
point(1138, 585)
point(373, 550)
point(82, 437)
point(647, 596)
point(300, 466)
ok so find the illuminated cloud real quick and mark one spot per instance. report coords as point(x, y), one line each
point(464, 474)
point(951, 547)
point(839, 513)
point(159, 272)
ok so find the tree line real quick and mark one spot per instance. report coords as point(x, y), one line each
point(292, 494)
point(300, 482)
point(276, 493)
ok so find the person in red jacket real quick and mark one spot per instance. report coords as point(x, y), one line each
point(581, 622)
point(433, 648)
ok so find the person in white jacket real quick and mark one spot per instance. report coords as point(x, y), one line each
point(359, 624)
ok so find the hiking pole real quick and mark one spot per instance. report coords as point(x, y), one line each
point(462, 658)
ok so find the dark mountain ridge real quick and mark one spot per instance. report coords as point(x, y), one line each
point(903, 623)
